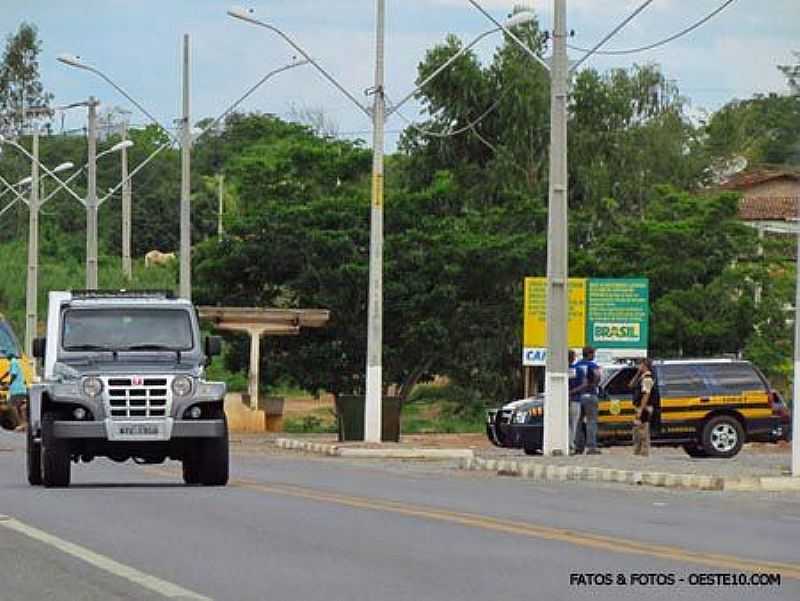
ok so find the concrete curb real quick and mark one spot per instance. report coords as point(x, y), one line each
point(333, 450)
point(538, 471)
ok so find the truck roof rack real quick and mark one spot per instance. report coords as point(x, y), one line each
point(123, 293)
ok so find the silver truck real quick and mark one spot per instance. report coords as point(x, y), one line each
point(123, 378)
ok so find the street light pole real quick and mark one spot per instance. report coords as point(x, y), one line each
point(91, 200)
point(127, 268)
point(556, 426)
point(185, 284)
point(31, 294)
point(374, 391)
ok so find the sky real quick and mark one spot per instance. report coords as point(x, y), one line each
point(138, 44)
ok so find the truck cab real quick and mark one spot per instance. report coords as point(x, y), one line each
point(124, 378)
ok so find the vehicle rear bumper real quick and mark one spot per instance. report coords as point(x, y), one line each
point(771, 429)
point(200, 428)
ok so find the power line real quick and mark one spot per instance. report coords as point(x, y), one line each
point(671, 38)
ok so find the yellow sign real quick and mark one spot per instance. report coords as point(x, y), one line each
point(535, 320)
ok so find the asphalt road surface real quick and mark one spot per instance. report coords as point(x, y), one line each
point(306, 528)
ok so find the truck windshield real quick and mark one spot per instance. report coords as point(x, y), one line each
point(127, 329)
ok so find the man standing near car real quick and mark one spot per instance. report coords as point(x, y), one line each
point(574, 404)
point(587, 375)
point(642, 385)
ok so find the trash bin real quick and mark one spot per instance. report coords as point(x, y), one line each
point(350, 417)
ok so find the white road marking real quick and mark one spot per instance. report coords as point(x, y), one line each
point(162, 587)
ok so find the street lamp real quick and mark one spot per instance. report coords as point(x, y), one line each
point(378, 113)
point(185, 143)
point(556, 428)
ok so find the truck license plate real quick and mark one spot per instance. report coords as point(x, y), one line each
point(131, 430)
point(139, 430)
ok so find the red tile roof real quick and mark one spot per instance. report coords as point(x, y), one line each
point(769, 208)
point(753, 177)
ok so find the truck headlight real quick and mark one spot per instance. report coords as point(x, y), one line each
point(181, 386)
point(520, 417)
point(92, 387)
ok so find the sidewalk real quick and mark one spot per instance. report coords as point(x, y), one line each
point(757, 468)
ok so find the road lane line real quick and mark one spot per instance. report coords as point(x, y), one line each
point(162, 587)
point(518, 528)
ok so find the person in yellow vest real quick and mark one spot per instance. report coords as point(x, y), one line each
point(14, 409)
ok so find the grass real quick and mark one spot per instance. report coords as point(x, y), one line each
point(318, 421)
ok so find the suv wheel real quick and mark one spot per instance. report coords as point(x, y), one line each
point(206, 461)
point(694, 450)
point(55, 455)
point(723, 436)
point(33, 453)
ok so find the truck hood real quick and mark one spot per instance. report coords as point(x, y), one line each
point(77, 369)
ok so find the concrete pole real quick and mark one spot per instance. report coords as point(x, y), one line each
point(556, 414)
point(32, 289)
point(255, 359)
point(91, 201)
point(127, 267)
point(221, 200)
point(185, 286)
point(372, 409)
point(796, 383)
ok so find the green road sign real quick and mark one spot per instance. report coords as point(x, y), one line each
point(617, 313)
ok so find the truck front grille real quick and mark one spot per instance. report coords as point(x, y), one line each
point(140, 397)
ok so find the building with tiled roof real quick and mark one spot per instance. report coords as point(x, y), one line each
point(770, 198)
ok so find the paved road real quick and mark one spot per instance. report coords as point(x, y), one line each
point(294, 527)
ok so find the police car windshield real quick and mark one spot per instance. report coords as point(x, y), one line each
point(127, 329)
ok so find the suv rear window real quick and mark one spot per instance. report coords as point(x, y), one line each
point(681, 380)
point(732, 378)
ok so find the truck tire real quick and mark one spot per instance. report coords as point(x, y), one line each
point(33, 453)
point(206, 461)
point(723, 436)
point(55, 456)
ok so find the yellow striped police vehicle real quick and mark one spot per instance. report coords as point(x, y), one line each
point(709, 407)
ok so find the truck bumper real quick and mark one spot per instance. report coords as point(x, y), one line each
point(196, 428)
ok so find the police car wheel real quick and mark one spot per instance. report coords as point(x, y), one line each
point(33, 452)
point(694, 450)
point(532, 450)
point(723, 436)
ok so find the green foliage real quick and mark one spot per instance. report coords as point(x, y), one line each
point(308, 424)
point(20, 85)
point(66, 271)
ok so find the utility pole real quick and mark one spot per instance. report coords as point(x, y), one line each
point(374, 396)
point(32, 289)
point(556, 414)
point(796, 383)
point(127, 268)
point(91, 200)
point(221, 181)
point(185, 285)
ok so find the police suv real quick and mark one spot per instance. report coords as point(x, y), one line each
point(124, 379)
point(709, 407)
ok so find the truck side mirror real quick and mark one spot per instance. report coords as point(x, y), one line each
point(39, 344)
point(213, 346)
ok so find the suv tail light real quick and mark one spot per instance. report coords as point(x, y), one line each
point(779, 409)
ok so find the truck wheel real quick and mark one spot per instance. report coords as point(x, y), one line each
point(33, 453)
point(214, 460)
point(55, 455)
point(206, 461)
point(191, 465)
point(723, 436)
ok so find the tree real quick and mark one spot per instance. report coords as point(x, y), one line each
point(20, 86)
point(792, 73)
